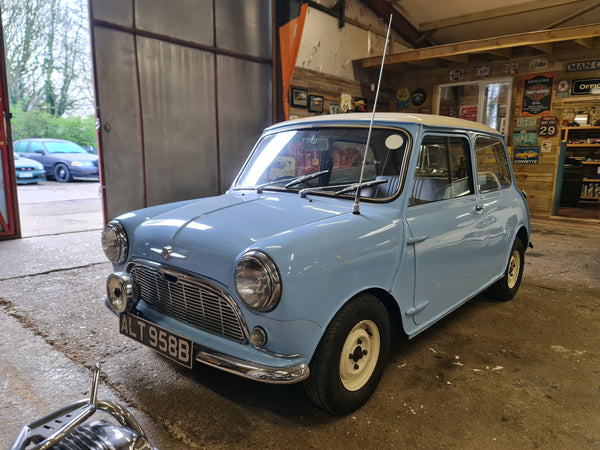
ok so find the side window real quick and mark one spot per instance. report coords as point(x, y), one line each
point(493, 172)
point(19, 147)
point(34, 146)
point(443, 170)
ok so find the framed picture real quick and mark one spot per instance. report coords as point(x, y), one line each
point(299, 98)
point(334, 109)
point(315, 103)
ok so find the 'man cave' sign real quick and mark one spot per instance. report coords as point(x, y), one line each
point(586, 87)
point(583, 65)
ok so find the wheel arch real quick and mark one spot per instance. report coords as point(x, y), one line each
point(523, 235)
point(391, 305)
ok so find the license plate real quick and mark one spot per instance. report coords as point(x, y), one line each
point(25, 175)
point(171, 345)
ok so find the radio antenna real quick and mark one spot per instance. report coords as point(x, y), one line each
point(355, 208)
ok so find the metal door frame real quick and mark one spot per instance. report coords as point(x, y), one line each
point(10, 227)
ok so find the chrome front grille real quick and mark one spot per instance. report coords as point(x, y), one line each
point(189, 300)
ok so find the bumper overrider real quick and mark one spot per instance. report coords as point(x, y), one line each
point(152, 282)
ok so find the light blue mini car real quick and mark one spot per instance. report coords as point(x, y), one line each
point(323, 250)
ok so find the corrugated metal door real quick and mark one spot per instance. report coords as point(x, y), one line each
point(183, 89)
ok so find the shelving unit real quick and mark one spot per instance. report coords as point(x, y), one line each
point(583, 144)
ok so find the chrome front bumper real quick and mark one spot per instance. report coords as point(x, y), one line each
point(253, 371)
point(247, 369)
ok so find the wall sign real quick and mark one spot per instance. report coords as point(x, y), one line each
point(584, 65)
point(525, 137)
point(527, 155)
point(546, 146)
point(345, 102)
point(548, 126)
point(562, 88)
point(457, 75)
point(510, 68)
point(538, 64)
point(468, 112)
point(586, 87)
point(527, 122)
point(537, 94)
point(483, 71)
point(402, 98)
point(418, 97)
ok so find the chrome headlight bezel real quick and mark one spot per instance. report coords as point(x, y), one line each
point(114, 242)
point(257, 281)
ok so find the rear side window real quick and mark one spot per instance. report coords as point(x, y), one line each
point(19, 147)
point(493, 172)
point(35, 146)
point(443, 170)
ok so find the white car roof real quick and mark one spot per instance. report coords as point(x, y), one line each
point(362, 118)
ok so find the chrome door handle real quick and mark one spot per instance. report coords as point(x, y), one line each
point(416, 239)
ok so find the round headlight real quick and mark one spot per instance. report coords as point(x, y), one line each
point(114, 242)
point(257, 281)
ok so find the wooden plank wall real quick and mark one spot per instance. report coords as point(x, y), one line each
point(331, 88)
point(538, 180)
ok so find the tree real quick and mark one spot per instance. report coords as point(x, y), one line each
point(48, 56)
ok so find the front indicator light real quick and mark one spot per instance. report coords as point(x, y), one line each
point(122, 292)
point(258, 337)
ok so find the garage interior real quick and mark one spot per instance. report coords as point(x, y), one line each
point(182, 93)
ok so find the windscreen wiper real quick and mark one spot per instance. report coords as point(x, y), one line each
point(293, 182)
point(308, 190)
point(308, 176)
point(361, 185)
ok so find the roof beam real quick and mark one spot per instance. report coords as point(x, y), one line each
point(488, 45)
point(587, 42)
point(505, 53)
point(494, 13)
point(460, 59)
point(544, 48)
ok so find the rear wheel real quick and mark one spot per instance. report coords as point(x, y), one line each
point(62, 173)
point(349, 361)
point(507, 286)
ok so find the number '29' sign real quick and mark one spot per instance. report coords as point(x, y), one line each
point(548, 126)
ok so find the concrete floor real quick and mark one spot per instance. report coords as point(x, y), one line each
point(522, 374)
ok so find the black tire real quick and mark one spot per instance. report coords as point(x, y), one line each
point(349, 361)
point(62, 173)
point(506, 287)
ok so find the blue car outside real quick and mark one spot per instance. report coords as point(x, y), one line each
point(63, 160)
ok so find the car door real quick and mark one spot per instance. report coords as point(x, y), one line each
point(445, 227)
point(38, 152)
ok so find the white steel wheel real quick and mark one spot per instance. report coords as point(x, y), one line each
point(514, 269)
point(349, 360)
point(360, 355)
point(507, 286)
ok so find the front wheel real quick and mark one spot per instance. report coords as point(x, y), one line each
point(507, 286)
point(62, 173)
point(349, 361)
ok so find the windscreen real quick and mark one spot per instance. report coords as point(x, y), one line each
point(327, 160)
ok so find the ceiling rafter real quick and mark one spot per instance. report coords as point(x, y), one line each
point(490, 45)
point(494, 13)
